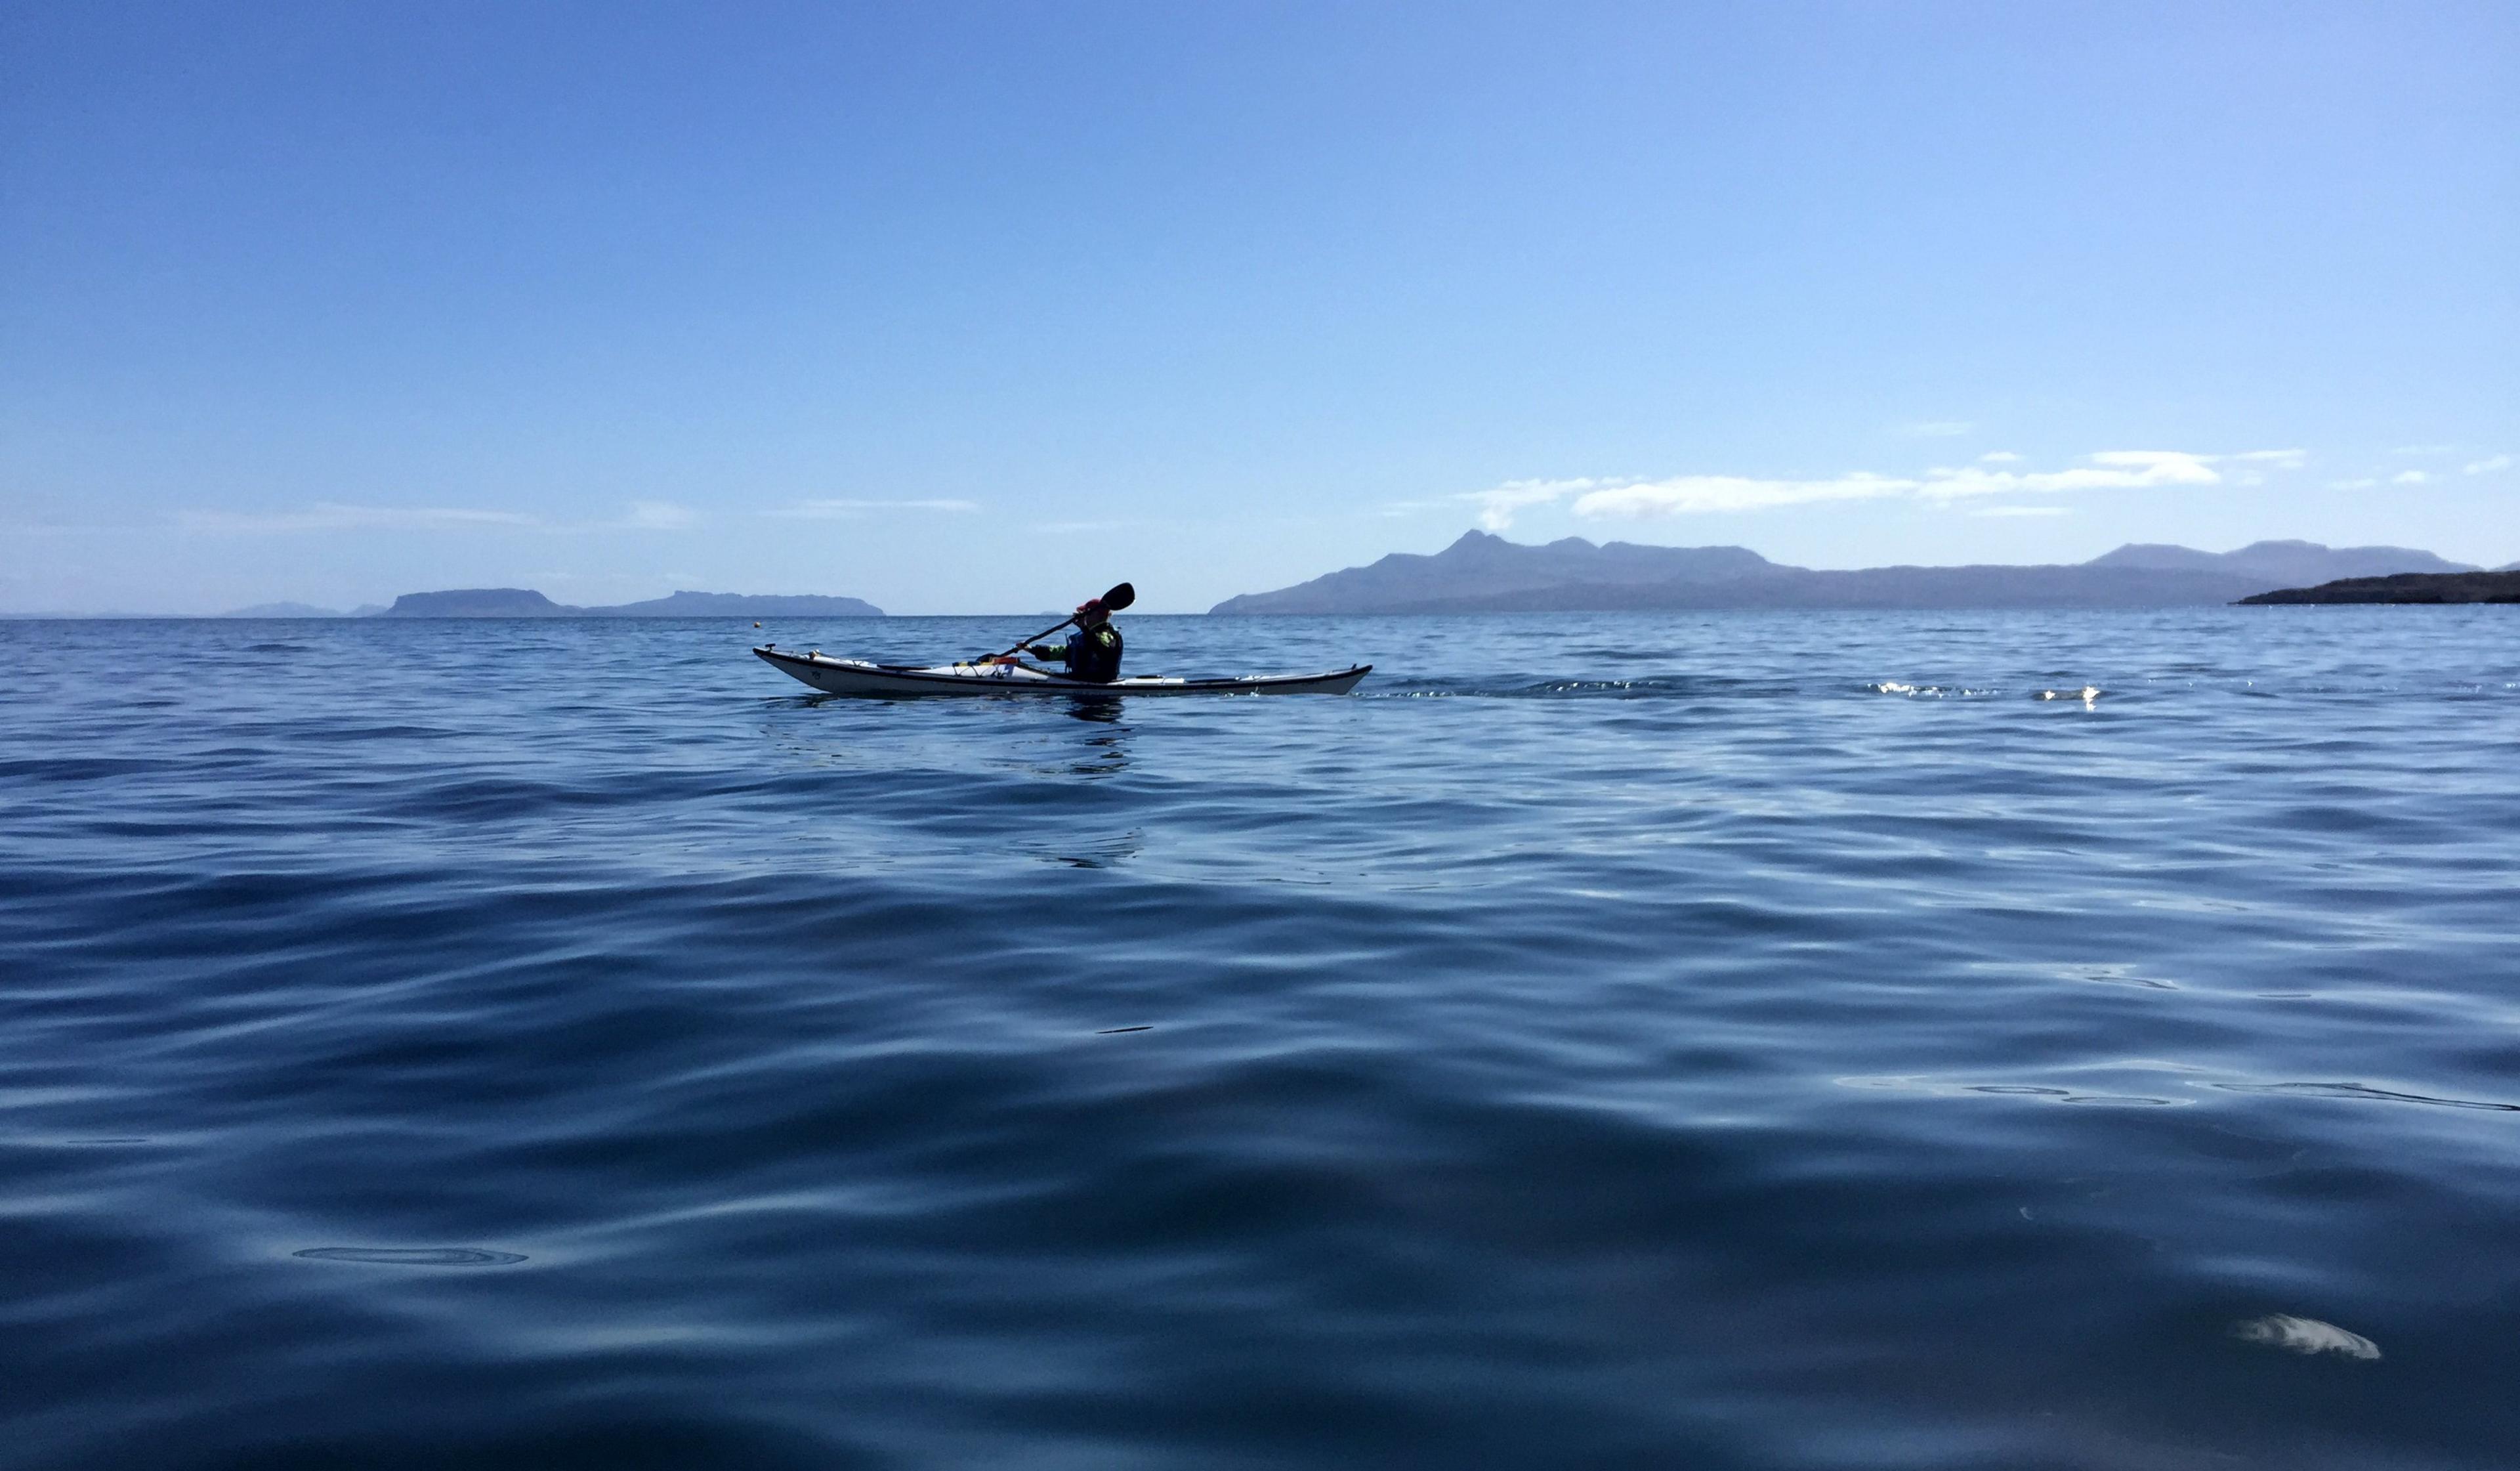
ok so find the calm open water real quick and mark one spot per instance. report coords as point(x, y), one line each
point(1733, 1041)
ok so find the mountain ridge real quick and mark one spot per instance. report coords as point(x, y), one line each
point(1483, 572)
point(289, 610)
point(525, 602)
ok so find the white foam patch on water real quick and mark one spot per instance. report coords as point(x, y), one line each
point(1928, 691)
point(2304, 1335)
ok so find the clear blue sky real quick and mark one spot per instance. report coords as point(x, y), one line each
point(981, 307)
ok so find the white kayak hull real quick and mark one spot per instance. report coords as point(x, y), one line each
point(858, 676)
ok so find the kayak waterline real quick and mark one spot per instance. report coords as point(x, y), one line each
point(859, 676)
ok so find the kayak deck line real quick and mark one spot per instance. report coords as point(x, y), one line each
point(859, 676)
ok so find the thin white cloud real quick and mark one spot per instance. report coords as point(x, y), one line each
point(2109, 470)
point(847, 510)
point(2020, 511)
point(1497, 506)
point(1998, 457)
point(2409, 478)
point(59, 528)
point(328, 516)
point(1694, 494)
point(1701, 494)
point(1938, 429)
point(2249, 472)
point(2488, 465)
point(334, 516)
point(659, 515)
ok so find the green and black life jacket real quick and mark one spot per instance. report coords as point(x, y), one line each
point(1094, 654)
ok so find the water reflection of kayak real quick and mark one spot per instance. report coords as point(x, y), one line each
point(858, 676)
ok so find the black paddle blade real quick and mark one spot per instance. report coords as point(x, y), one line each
point(1120, 596)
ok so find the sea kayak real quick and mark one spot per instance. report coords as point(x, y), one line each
point(858, 676)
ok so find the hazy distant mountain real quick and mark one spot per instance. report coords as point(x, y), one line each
point(1481, 566)
point(2287, 563)
point(1482, 572)
point(2501, 586)
point(284, 610)
point(522, 602)
point(740, 605)
point(1978, 586)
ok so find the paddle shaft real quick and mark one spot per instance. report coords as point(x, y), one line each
point(1043, 633)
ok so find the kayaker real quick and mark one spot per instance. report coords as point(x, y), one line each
point(1092, 652)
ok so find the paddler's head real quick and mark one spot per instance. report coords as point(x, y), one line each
point(1091, 612)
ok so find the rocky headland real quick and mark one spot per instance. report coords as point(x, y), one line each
point(2406, 587)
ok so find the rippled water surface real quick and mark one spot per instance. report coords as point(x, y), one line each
point(1850, 1040)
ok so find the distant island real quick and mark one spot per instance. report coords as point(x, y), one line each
point(1487, 574)
point(525, 602)
point(2503, 587)
point(299, 609)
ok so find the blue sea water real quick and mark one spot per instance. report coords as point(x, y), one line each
point(1729, 1040)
